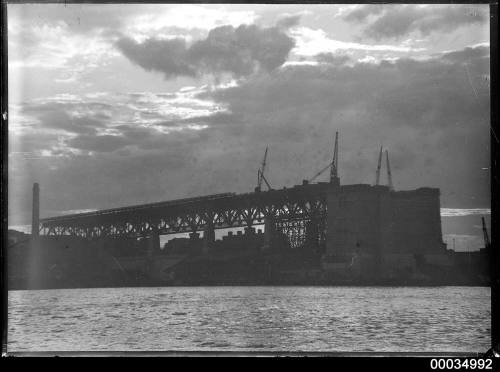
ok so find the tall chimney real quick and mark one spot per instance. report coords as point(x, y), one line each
point(36, 211)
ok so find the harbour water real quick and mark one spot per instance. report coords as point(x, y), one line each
point(385, 319)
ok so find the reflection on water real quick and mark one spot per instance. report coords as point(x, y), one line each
point(251, 318)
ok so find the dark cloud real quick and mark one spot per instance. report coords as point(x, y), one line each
point(419, 110)
point(288, 21)
point(139, 137)
point(237, 51)
point(477, 55)
point(394, 21)
point(167, 56)
point(58, 119)
point(373, 87)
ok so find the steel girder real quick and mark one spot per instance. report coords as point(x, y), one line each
point(301, 203)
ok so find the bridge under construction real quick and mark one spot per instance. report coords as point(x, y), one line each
point(373, 221)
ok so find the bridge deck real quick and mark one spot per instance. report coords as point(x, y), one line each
point(194, 214)
point(133, 208)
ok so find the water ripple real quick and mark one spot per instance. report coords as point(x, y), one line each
point(251, 318)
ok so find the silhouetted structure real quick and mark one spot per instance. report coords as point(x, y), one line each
point(344, 232)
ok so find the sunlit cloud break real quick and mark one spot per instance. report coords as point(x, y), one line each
point(314, 41)
point(459, 212)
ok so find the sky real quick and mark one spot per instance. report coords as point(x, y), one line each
point(113, 105)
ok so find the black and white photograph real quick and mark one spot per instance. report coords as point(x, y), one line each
point(249, 179)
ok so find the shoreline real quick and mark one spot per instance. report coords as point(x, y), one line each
point(387, 285)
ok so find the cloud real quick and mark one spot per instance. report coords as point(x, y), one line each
point(134, 165)
point(289, 21)
point(238, 51)
point(360, 13)
point(291, 82)
point(468, 55)
point(167, 56)
point(395, 21)
point(61, 120)
point(65, 125)
point(423, 110)
point(55, 47)
point(383, 88)
point(135, 19)
point(157, 19)
point(51, 36)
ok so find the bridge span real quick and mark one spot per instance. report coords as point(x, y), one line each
point(289, 209)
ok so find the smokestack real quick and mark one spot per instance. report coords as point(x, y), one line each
point(36, 211)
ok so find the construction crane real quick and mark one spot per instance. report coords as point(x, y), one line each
point(320, 173)
point(333, 165)
point(379, 166)
point(389, 175)
point(260, 174)
point(377, 178)
point(487, 244)
point(265, 180)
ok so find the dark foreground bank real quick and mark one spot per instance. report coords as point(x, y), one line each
point(46, 267)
